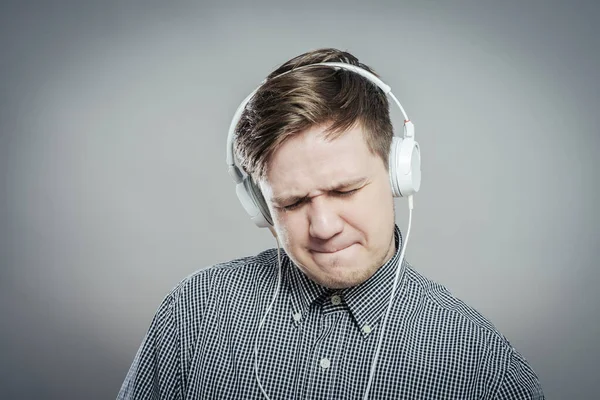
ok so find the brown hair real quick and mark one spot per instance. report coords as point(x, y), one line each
point(300, 99)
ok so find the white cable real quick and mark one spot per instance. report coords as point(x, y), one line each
point(262, 322)
point(389, 307)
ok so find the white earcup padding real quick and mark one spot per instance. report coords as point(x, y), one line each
point(405, 167)
point(252, 201)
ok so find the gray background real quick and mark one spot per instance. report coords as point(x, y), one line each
point(113, 118)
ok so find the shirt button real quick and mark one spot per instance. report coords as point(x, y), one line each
point(325, 363)
point(366, 328)
point(297, 317)
point(336, 300)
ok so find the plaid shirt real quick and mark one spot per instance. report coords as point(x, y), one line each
point(318, 343)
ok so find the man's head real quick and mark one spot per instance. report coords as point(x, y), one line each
point(316, 141)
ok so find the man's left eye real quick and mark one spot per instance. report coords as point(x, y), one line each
point(346, 193)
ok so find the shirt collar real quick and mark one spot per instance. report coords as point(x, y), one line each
point(366, 302)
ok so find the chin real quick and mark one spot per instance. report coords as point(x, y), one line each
point(344, 276)
point(337, 271)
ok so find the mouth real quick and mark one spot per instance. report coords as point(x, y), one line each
point(330, 250)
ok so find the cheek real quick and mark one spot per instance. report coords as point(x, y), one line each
point(290, 228)
point(369, 209)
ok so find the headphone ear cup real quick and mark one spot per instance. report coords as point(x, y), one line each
point(253, 202)
point(405, 167)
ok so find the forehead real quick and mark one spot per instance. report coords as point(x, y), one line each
point(309, 162)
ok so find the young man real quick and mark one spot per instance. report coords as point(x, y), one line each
point(306, 323)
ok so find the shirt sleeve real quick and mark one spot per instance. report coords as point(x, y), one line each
point(520, 381)
point(155, 371)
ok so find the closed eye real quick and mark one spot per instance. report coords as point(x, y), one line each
point(338, 193)
point(292, 206)
point(345, 193)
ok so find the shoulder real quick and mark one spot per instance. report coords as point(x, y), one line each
point(438, 299)
point(215, 291)
point(464, 328)
point(161, 359)
point(237, 275)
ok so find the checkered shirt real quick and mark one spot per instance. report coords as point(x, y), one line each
point(318, 343)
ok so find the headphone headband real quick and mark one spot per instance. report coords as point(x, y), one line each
point(234, 170)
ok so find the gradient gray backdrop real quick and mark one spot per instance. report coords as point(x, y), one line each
point(113, 119)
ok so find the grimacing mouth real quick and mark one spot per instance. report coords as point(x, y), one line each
point(330, 249)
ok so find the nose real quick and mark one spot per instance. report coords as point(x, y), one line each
point(324, 220)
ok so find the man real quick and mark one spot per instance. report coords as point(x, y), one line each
point(307, 322)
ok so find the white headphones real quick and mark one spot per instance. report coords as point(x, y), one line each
point(404, 158)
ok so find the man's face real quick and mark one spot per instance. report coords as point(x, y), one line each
point(332, 206)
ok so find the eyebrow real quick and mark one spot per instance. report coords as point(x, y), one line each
point(291, 199)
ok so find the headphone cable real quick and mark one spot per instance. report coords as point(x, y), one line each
point(262, 322)
point(389, 307)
